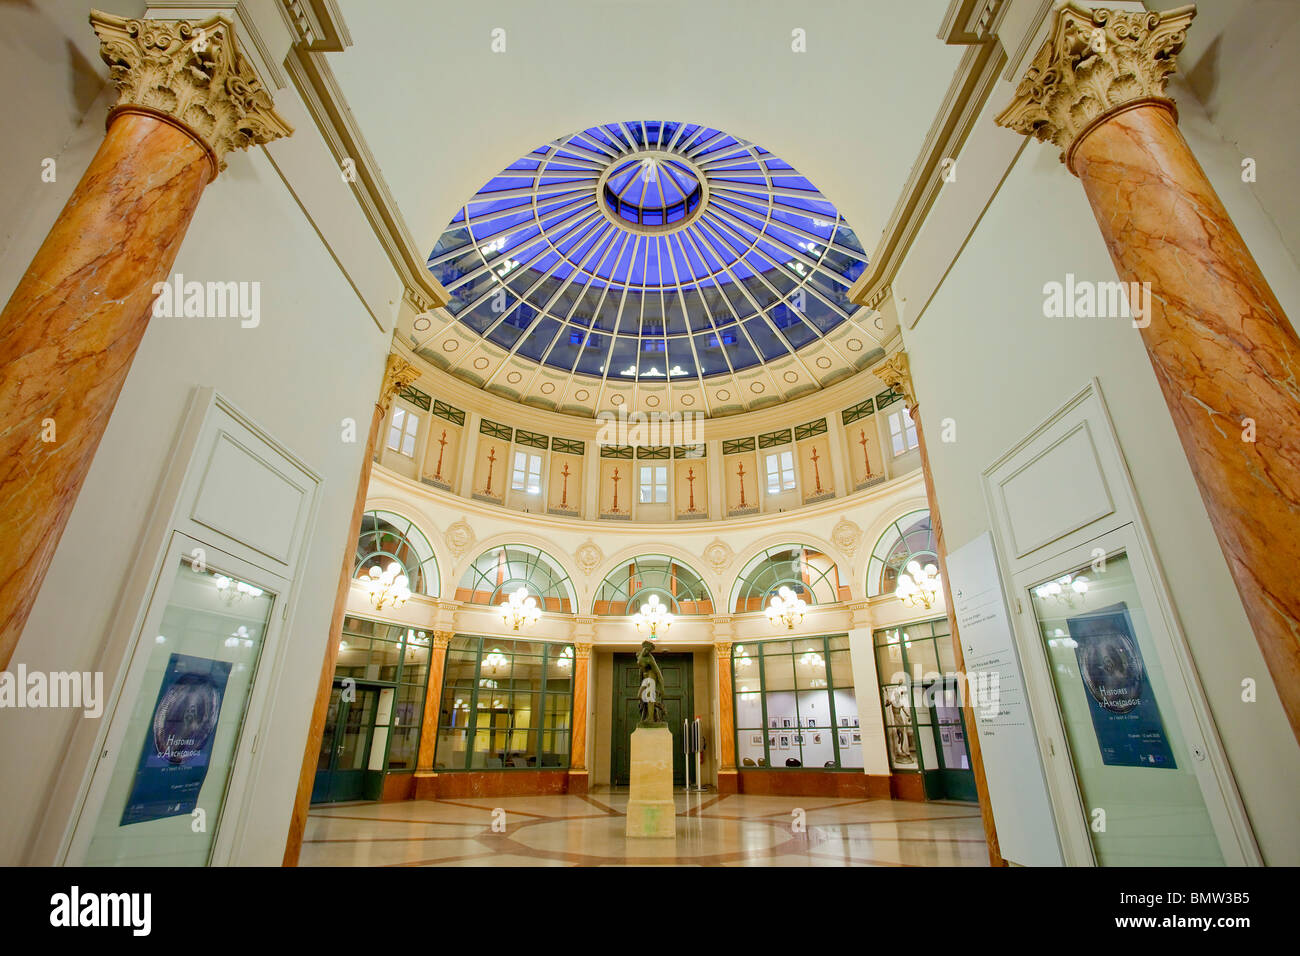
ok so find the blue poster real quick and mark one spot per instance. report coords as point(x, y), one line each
point(178, 747)
point(1125, 716)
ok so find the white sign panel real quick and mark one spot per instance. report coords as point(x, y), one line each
point(1022, 810)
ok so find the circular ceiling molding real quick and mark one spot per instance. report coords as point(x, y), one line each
point(791, 377)
point(450, 345)
point(854, 345)
point(652, 401)
point(480, 363)
point(723, 395)
point(616, 399)
point(688, 400)
point(756, 387)
point(422, 323)
point(823, 362)
point(649, 250)
point(581, 395)
point(514, 378)
point(548, 387)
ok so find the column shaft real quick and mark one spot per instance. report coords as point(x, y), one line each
point(726, 712)
point(578, 741)
point(70, 331)
point(432, 701)
point(1225, 354)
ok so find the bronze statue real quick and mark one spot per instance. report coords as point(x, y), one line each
point(650, 698)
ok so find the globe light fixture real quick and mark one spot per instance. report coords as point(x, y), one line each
point(786, 608)
point(520, 610)
point(918, 586)
point(651, 616)
point(388, 588)
point(231, 590)
point(1064, 590)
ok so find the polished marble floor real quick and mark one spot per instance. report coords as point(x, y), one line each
point(712, 830)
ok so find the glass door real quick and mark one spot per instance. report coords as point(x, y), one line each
point(955, 779)
point(343, 766)
point(168, 760)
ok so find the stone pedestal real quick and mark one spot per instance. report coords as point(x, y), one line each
point(650, 810)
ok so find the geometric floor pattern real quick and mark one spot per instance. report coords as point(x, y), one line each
point(588, 830)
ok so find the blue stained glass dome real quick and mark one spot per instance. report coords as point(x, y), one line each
point(649, 250)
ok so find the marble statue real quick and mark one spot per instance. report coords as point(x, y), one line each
point(650, 698)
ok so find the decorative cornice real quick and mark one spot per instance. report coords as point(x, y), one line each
point(192, 73)
point(895, 372)
point(398, 374)
point(1093, 63)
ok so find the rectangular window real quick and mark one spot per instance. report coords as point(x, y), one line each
point(780, 472)
point(402, 432)
point(506, 705)
point(796, 705)
point(654, 484)
point(527, 473)
point(902, 432)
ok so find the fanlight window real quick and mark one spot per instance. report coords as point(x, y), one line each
point(387, 537)
point(498, 572)
point(804, 569)
point(910, 538)
point(630, 585)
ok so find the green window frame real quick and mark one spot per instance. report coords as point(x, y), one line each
point(862, 409)
point(806, 570)
point(499, 571)
point(495, 430)
point(734, 446)
point(506, 705)
point(416, 397)
point(394, 657)
point(449, 412)
point(386, 537)
point(810, 429)
point(632, 582)
point(567, 446)
point(908, 538)
point(794, 700)
point(905, 655)
point(772, 439)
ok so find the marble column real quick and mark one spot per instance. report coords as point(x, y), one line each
point(578, 772)
point(432, 705)
point(728, 776)
point(895, 373)
point(398, 374)
point(1226, 356)
point(186, 97)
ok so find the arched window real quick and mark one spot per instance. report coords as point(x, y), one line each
point(804, 569)
point(630, 584)
point(907, 539)
point(496, 573)
point(387, 537)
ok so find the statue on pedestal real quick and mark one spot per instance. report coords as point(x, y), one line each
point(650, 698)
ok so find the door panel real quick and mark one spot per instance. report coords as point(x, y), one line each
point(679, 701)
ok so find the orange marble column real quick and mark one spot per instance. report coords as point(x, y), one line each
point(432, 700)
point(398, 374)
point(728, 776)
point(578, 773)
point(1226, 356)
point(72, 326)
point(895, 373)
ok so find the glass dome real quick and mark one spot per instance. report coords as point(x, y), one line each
point(649, 251)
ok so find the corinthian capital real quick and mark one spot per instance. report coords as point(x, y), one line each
point(1094, 62)
point(897, 374)
point(190, 72)
point(398, 374)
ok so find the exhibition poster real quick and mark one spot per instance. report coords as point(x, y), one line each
point(178, 743)
point(1125, 716)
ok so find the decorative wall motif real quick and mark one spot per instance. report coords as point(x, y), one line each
point(719, 555)
point(846, 535)
point(588, 556)
point(459, 536)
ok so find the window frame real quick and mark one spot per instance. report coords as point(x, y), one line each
point(904, 434)
point(658, 489)
point(527, 480)
point(781, 479)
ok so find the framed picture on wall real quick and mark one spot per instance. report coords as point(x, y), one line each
point(855, 721)
point(844, 721)
point(857, 737)
point(771, 743)
point(844, 740)
point(817, 738)
point(785, 721)
point(810, 722)
point(775, 722)
point(798, 738)
point(783, 741)
point(756, 740)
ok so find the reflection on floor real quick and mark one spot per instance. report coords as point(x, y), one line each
point(712, 830)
